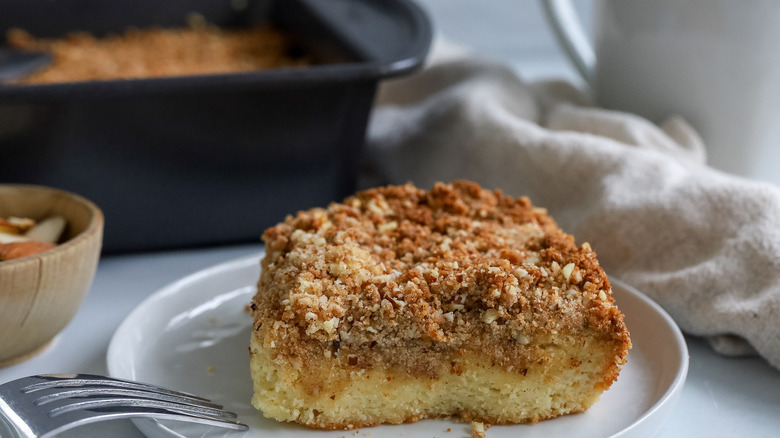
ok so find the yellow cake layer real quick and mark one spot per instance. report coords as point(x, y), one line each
point(330, 394)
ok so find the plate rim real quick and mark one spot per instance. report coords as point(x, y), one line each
point(169, 289)
point(665, 401)
point(670, 396)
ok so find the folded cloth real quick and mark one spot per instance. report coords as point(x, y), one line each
point(703, 244)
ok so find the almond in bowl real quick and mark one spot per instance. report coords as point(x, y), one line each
point(21, 237)
point(43, 282)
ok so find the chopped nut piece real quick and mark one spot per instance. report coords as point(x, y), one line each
point(490, 316)
point(478, 429)
point(522, 339)
point(389, 226)
point(567, 271)
point(330, 325)
point(576, 277)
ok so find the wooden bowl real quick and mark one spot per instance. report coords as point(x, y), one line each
point(40, 293)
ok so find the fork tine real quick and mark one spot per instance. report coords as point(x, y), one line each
point(81, 380)
point(41, 406)
point(51, 396)
point(64, 406)
point(73, 419)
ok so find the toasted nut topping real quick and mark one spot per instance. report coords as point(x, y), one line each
point(489, 316)
point(567, 271)
point(442, 276)
point(330, 325)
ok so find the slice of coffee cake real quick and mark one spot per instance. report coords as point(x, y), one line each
point(402, 304)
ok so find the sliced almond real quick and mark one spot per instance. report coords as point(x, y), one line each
point(15, 250)
point(48, 230)
point(11, 238)
point(23, 224)
point(7, 227)
point(12, 229)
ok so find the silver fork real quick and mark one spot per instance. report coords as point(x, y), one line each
point(42, 406)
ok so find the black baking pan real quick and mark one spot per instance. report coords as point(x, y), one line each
point(209, 159)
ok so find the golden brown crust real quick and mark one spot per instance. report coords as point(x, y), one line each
point(155, 52)
point(396, 270)
point(464, 416)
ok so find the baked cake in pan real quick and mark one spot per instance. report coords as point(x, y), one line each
point(402, 304)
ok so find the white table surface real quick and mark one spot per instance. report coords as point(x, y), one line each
point(723, 397)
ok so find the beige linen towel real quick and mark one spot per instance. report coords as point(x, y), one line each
point(703, 244)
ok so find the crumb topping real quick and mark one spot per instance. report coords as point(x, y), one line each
point(478, 429)
point(451, 268)
point(201, 48)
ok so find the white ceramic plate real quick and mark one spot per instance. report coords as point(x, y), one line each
point(193, 336)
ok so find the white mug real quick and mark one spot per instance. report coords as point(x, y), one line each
point(714, 62)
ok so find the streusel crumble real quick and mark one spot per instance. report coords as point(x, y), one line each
point(401, 304)
point(158, 52)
